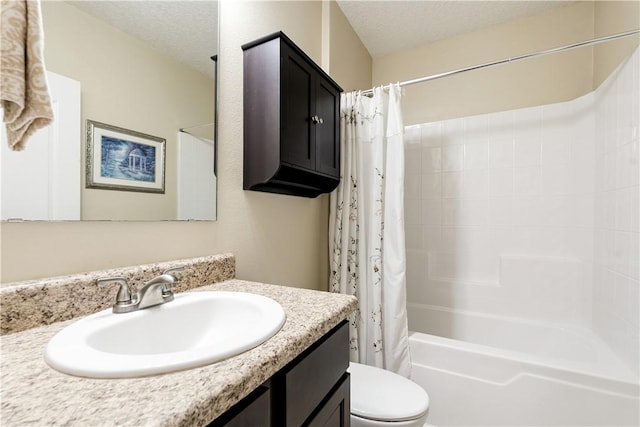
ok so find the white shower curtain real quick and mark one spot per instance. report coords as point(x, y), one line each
point(367, 250)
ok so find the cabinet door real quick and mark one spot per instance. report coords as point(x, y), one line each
point(296, 103)
point(315, 375)
point(335, 412)
point(254, 410)
point(327, 136)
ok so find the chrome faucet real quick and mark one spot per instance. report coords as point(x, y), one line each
point(154, 292)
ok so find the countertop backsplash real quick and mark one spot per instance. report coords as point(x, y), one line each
point(25, 305)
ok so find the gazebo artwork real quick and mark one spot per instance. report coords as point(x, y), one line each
point(138, 160)
point(121, 159)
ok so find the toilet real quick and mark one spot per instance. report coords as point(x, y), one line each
point(382, 398)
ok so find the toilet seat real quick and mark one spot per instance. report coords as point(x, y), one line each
point(380, 395)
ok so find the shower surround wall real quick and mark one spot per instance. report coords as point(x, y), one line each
point(531, 213)
point(617, 234)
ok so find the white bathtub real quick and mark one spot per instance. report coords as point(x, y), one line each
point(486, 370)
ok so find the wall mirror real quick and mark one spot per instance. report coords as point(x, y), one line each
point(142, 68)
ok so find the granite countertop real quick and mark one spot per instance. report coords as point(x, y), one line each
point(35, 394)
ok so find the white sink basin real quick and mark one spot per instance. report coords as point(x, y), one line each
point(193, 330)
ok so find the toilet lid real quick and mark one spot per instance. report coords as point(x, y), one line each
point(381, 395)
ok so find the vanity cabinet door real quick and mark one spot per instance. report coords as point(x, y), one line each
point(253, 411)
point(309, 380)
point(312, 390)
point(335, 411)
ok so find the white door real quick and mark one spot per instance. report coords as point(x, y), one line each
point(196, 178)
point(42, 182)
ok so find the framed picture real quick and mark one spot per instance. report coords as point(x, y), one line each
point(122, 159)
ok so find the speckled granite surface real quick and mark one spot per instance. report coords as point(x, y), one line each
point(34, 394)
point(24, 305)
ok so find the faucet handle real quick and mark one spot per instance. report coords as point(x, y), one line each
point(172, 272)
point(124, 293)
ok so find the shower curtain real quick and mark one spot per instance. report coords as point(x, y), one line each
point(367, 248)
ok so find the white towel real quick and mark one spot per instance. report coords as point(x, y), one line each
point(24, 94)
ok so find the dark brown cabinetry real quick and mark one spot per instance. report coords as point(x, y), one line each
point(291, 120)
point(337, 409)
point(252, 411)
point(312, 390)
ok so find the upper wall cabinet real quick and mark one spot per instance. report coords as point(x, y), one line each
point(291, 120)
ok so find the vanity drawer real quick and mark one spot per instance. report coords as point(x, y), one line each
point(314, 374)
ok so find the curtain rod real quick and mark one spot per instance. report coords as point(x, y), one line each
point(512, 59)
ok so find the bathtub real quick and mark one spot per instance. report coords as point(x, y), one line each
point(488, 370)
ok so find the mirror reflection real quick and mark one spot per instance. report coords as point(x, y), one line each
point(142, 66)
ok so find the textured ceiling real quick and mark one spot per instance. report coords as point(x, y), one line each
point(386, 27)
point(188, 30)
point(184, 30)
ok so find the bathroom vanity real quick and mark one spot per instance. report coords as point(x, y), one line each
point(312, 390)
point(296, 377)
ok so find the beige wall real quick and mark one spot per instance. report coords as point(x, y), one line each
point(536, 81)
point(282, 239)
point(126, 84)
point(613, 17)
point(350, 63)
point(286, 230)
point(276, 239)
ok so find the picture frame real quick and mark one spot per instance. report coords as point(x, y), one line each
point(124, 160)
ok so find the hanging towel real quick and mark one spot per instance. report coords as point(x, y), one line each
point(24, 94)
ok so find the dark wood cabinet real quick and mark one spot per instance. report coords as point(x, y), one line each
point(336, 411)
point(312, 390)
point(252, 411)
point(291, 120)
point(309, 379)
